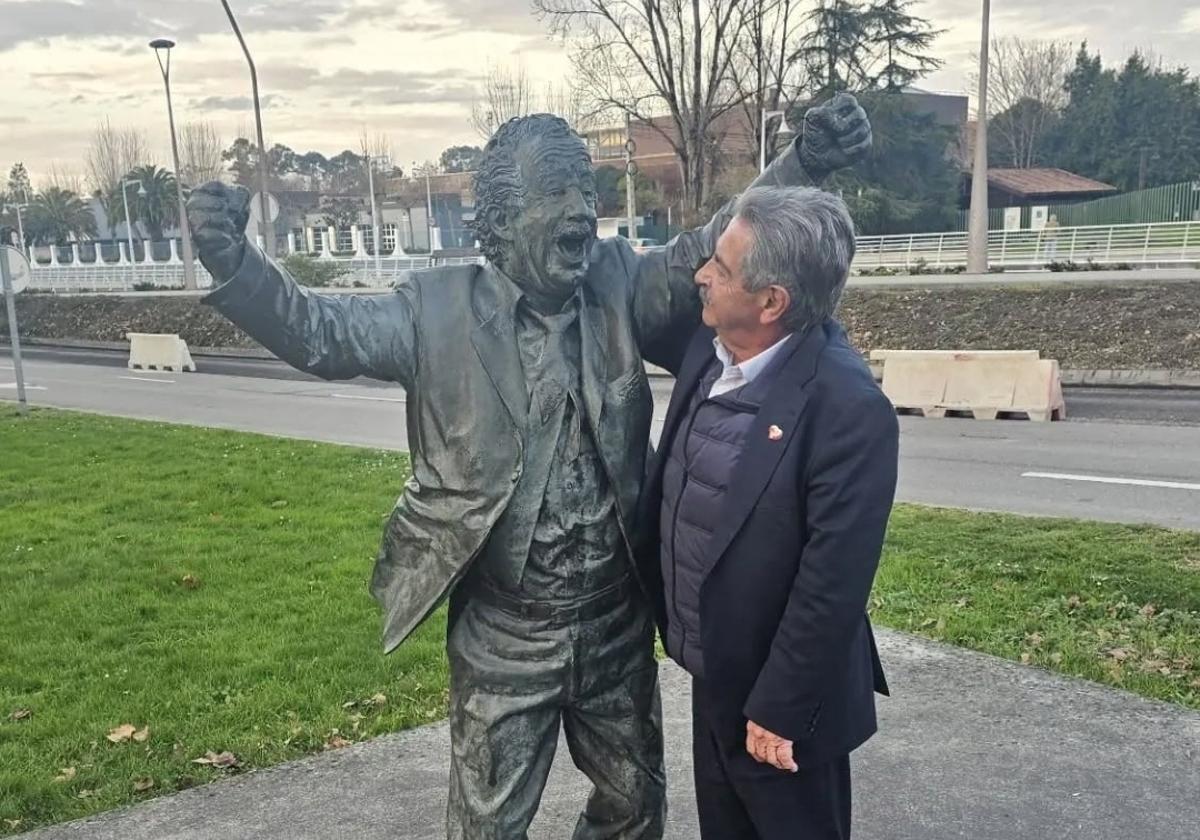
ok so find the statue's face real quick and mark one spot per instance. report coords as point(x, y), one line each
point(551, 236)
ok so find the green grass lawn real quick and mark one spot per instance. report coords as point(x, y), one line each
point(211, 586)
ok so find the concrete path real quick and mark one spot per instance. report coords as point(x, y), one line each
point(970, 747)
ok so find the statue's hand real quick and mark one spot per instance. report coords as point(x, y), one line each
point(836, 134)
point(217, 215)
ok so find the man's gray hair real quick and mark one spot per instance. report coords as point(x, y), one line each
point(804, 242)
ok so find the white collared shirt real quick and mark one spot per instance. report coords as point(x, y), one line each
point(735, 376)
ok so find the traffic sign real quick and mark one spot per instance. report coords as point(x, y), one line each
point(256, 208)
point(13, 265)
point(18, 268)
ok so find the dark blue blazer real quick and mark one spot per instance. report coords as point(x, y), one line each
point(786, 639)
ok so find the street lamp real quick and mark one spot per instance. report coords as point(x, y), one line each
point(784, 130)
point(977, 240)
point(267, 224)
point(428, 207)
point(125, 184)
point(160, 45)
point(382, 161)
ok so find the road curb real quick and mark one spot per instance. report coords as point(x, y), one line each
point(1084, 378)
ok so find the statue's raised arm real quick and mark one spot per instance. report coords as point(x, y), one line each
point(332, 336)
point(835, 135)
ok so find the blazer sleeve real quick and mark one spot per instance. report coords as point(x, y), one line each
point(331, 336)
point(666, 303)
point(850, 486)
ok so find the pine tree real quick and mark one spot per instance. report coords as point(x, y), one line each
point(904, 41)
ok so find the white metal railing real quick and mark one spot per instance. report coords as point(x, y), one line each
point(1164, 243)
point(1167, 243)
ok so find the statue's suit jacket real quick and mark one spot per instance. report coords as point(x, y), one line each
point(447, 336)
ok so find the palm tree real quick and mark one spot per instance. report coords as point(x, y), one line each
point(56, 215)
point(157, 209)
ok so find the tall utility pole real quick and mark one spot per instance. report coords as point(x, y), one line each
point(630, 176)
point(266, 225)
point(977, 247)
point(378, 243)
point(189, 265)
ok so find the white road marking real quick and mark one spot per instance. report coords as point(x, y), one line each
point(148, 379)
point(361, 397)
point(1100, 479)
point(13, 385)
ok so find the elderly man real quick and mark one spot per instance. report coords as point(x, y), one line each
point(528, 416)
point(765, 514)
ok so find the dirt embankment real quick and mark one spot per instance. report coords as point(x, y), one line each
point(1084, 327)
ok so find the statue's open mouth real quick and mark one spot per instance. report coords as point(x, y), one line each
point(573, 246)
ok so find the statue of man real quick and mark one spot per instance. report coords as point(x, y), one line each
point(528, 420)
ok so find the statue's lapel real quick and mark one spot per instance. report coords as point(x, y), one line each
point(593, 335)
point(495, 340)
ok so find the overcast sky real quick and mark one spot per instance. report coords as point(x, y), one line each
point(407, 68)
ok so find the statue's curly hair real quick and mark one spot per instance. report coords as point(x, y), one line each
point(498, 183)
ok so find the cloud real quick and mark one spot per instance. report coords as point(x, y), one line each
point(509, 16)
point(43, 20)
point(234, 103)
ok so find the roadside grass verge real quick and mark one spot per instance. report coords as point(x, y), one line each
point(207, 590)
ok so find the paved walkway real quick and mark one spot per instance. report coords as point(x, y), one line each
point(970, 747)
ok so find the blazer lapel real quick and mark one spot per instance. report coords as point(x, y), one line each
point(593, 336)
point(495, 341)
point(761, 453)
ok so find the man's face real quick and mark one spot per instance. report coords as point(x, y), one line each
point(554, 232)
point(728, 308)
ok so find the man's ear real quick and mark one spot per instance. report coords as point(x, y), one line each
point(498, 220)
point(776, 303)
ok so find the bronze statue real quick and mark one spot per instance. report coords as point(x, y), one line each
point(528, 419)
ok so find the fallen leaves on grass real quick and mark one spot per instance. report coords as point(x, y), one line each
point(143, 785)
point(65, 775)
point(221, 760)
point(190, 582)
point(129, 732)
point(335, 741)
point(122, 733)
point(20, 714)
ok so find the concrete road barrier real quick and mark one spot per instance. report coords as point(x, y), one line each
point(159, 351)
point(984, 383)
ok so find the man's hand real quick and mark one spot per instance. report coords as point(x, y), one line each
point(769, 748)
point(836, 134)
point(217, 215)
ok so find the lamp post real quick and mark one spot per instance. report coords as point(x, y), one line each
point(266, 226)
point(977, 242)
point(189, 268)
point(372, 160)
point(428, 207)
point(125, 184)
point(784, 129)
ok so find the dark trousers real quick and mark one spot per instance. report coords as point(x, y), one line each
point(740, 799)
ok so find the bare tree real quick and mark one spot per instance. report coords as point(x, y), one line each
point(640, 59)
point(1025, 93)
point(507, 92)
point(57, 176)
point(568, 102)
point(766, 70)
point(113, 152)
point(200, 153)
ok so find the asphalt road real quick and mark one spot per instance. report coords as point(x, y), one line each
point(1126, 455)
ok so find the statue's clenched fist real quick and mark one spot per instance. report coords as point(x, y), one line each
point(836, 134)
point(217, 215)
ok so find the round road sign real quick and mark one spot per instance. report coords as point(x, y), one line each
point(18, 268)
point(256, 208)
